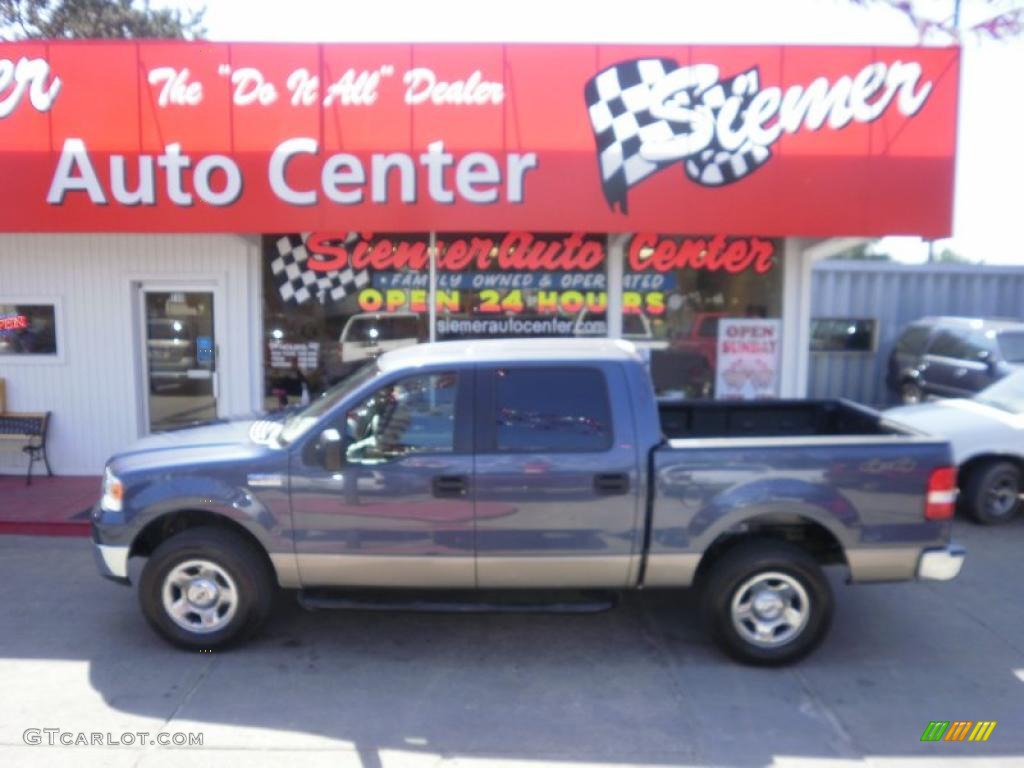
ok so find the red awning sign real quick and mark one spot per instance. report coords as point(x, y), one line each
point(173, 136)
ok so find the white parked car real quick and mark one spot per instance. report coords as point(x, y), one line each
point(987, 435)
point(635, 328)
point(371, 334)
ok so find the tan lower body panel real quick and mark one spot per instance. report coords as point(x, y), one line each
point(674, 570)
point(287, 569)
point(883, 564)
point(610, 572)
point(427, 571)
point(606, 571)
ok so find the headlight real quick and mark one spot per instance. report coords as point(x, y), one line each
point(113, 492)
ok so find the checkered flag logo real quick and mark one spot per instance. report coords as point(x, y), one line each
point(631, 105)
point(298, 283)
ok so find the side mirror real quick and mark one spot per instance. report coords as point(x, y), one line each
point(332, 450)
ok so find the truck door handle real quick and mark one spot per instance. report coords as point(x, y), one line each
point(611, 483)
point(447, 486)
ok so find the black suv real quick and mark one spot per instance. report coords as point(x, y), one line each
point(953, 356)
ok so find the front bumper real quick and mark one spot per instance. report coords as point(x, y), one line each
point(941, 564)
point(111, 559)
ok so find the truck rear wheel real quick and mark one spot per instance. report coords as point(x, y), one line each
point(206, 588)
point(767, 602)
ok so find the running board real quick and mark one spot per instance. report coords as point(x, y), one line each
point(458, 601)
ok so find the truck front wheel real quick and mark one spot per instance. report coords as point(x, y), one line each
point(767, 602)
point(206, 588)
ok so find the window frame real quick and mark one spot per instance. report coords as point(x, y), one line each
point(486, 407)
point(57, 358)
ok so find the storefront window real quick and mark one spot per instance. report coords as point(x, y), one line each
point(678, 289)
point(521, 285)
point(28, 329)
point(333, 301)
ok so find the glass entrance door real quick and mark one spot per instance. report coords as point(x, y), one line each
point(181, 358)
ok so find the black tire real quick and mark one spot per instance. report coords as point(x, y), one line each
point(728, 576)
point(243, 564)
point(911, 392)
point(991, 493)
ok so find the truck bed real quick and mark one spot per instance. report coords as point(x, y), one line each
point(769, 418)
point(827, 471)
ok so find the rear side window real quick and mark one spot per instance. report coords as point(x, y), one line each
point(913, 340)
point(551, 410)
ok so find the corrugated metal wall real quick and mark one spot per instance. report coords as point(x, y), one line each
point(897, 294)
point(91, 391)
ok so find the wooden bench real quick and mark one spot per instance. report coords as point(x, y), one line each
point(27, 431)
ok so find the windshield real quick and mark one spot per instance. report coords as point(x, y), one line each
point(1012, 346)
point(1007, 394)
point(300, 422)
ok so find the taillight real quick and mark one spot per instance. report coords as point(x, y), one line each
point(941, 498)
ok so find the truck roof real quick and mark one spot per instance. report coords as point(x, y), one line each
point(507, 350)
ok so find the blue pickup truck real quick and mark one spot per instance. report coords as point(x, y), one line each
point(536, 465)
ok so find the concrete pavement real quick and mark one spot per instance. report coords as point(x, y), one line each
point(638, 685)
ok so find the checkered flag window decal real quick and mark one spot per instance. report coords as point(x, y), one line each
point(637, 136)
point(298, 283)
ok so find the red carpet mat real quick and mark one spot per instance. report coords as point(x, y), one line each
point(51, 506)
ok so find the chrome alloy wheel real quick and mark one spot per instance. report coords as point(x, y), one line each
point(770, 609)
point(199, 596)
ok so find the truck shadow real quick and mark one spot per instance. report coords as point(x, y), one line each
point(637, 684)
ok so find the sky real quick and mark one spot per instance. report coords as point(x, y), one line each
point(989, 201)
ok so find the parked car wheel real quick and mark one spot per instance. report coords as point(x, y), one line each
point(206, 588)
point(992, 492)
point(767, 602)
point(911, 392)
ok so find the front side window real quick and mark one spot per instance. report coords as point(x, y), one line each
point(551, 410)
point(978, 345)
point(412, 415)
